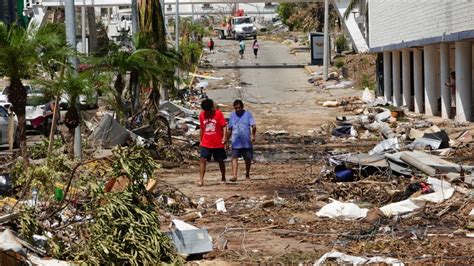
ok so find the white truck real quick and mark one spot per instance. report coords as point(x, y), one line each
point(240, 27)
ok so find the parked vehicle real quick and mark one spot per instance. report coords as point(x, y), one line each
point(4, 118)
point(237, 27)
point(39, 112)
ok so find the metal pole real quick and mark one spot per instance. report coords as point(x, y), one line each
point(176, 26)
point(326, 40)
point(134, 17)
point(192, 11)
point(83, 26)
point(70, 16)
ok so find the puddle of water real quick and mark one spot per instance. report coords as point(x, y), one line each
point(286, 155)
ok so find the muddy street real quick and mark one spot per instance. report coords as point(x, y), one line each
point(272, 217)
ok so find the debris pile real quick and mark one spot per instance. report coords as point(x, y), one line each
point(94, 211)
point(410, 171)
point(336, 80)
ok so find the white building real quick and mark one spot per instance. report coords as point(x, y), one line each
point(422, 42)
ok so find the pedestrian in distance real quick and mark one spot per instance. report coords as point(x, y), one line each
point(242, 132)
point(255, 47)
point(451, 84)
point(213, 132)
point(210, 45)
point(241, 48)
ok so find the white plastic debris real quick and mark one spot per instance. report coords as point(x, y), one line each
point(443, 191)
point(202, 84)
point(183, 226)
point(388, 144)
point(220, 205)
point(383, 116)
point(8, 241)
point(368, 95)
point(472, 212)
point(343, 259)
point(342, 210)
point(35, 260)
point(331, 103)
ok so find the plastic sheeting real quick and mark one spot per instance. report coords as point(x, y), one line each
point(388, 144)
point(9, 242)
point(342, 210)
point(344, 259)
point(443, 191)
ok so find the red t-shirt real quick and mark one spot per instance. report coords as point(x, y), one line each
point(212, 129)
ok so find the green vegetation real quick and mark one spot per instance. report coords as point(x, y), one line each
point(341, 43)
point(307, 17)
point(21, 51)
point(339, 62)
point(285, 11)
point(126, 226)
point(366, 81)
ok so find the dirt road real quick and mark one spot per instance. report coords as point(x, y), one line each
point(271, 218)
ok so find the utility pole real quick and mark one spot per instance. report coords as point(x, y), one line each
point(70, 14)
point(326, 40)
point(134, 17)
point(176, 27)
point(83, 26)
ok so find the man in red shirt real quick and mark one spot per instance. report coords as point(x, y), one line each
point(213, 132)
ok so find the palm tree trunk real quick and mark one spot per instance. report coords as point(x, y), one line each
point(54, 125)
point(151, 19)
point(92, 30)
point(72, 120)
point(17, 96)
point(118, 86)
point(22, 132)
point(135, 91)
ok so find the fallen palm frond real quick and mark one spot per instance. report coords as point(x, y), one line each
point(126, 226)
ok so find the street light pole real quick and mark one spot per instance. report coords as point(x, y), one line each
point(134, 17)
point(83, 26)
point(176, 26)
point(326, 40)
point(70, 16)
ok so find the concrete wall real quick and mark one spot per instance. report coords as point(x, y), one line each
point(397, 22)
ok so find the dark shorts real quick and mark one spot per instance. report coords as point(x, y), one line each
point(218, 154)
point(246, 153)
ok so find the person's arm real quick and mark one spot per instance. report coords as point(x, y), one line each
point(254, 133)
point(224, 138)
point(254, 128)
point(201, 127)
point(229, 133)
